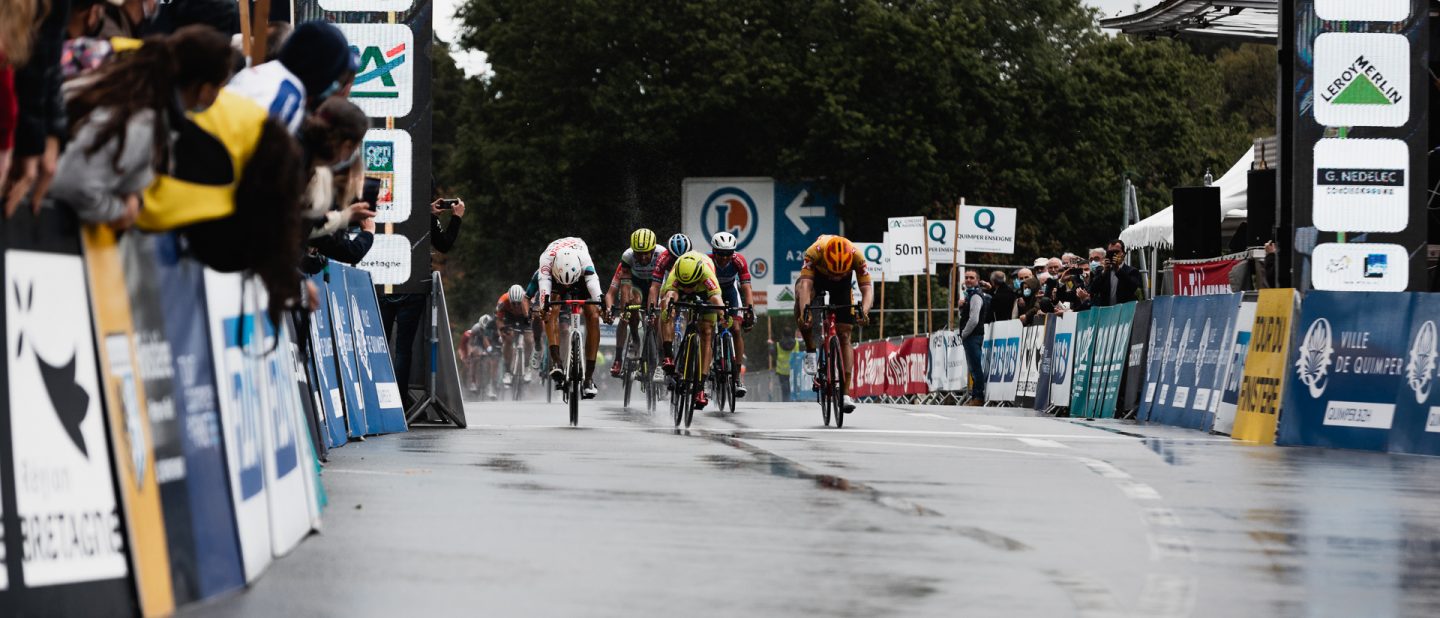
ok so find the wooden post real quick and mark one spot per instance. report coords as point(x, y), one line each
point(957, 272)
point(882, 308)
point(245, 46)
point(262, 32)
point(915, 305)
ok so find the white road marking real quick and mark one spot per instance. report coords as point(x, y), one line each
point(1042, 443)
point(984, 427)
point(929, 415)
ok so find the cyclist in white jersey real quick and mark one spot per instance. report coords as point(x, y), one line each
point(568, 273)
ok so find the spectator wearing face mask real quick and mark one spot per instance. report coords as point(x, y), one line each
point(1024, 293)
point(122, 121)
point(1072, 281)
point(1117, 282)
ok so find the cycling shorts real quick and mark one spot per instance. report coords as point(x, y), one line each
point(839, 295)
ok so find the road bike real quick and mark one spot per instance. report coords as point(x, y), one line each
point(574, 363)
point(725, 368)
point(687, 381)
point(640, 355)
point(516, 362)
point(830, 364)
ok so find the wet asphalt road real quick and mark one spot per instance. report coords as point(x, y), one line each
point(907, 511)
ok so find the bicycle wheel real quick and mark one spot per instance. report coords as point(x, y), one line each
point(692, 375)
point(649, 361)
point(732, 371)
point(822, 395)
point(574, 379)
point(678, 395)
point(627, 365)
point(548, 383)
point(836, 381)
point(517, 368)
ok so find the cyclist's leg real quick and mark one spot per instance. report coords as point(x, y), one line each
point(732, 300)
point(706, 331)
point(592, 339)
point(807, 285)
point(552, 336)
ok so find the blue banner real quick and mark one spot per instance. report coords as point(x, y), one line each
point(1417, 419)
point(351, 392)
point(1047, 365)
point(384, 413)
point(1162, 322)
point(1199, 340)
point(801, 388)
point(326, 371)
point(1349, 367)
point(217, 562)
point(1085, 329)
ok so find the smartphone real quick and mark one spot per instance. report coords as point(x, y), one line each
point(448, 204)
point(371, 194)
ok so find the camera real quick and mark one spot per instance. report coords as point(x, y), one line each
point(448, 203)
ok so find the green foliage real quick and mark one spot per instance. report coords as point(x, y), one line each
point(598, 109)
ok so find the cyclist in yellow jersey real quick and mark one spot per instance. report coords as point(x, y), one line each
point(692, 278)
point(828, 265)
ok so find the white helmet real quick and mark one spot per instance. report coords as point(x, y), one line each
point(567, 268)
point(723, 241)
point(516, 294)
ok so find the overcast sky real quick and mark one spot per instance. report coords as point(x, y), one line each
point(474, 63)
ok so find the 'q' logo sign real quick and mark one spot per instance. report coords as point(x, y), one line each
point(985, 220)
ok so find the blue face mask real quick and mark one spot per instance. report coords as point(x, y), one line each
point(1016, 284)
point(1094, 265)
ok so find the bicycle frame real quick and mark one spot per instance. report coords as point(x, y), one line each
point(830, 377)
point(574, 365)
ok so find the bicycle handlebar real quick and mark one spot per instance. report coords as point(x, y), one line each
point(571, 303)
point(700, 306)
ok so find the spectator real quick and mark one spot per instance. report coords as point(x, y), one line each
point(1072, 284)
point(1118, 282)
point(975, 312)
point(125, 18)
point(1097, 260)
point(1029, 302)
point(402, 312)
point(17, 18)
point(1002, 296)
point(1023, 302)
point(120, 121)
point(308, 70)
point(40, 126)
point(331, 138)
point(780, 355)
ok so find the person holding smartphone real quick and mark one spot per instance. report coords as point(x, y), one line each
point(442, 237)
point(1116, 283)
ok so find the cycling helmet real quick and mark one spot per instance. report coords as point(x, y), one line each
point(642, 241)
point(485, 321)
point(690, 269)
point(679, 244)
point(838, 255)
point(723, 241)
point(516, 294)
point(567, 268)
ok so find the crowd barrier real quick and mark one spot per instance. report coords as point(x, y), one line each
point(1352, 370)
point(159, 435)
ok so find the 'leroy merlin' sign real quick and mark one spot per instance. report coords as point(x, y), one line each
point(1362, 79)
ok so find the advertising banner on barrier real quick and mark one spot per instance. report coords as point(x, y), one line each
point(872, 365)
point(1132, 387)
point(1262, 382)
point(1349, 369)
point(237, 356)
point(907, 368)
point(1047, 364)
point(1204, 277)
point(1116, 357)
point(1029, 373)
point(801, 380)
point(52, 423)
point(325, 367)
point(217, 568)
point(171, 408)
point(1204, 324)
point(1004, 364)
point(351, 393)
point(288, 483)
point(384, 412)
point(125, 399)
point(1417, 418)
point(1230, 393)
point(1085, 326)
point(1062, 360)
point(949, 371)
point(1157, 362)
point(1101, 357)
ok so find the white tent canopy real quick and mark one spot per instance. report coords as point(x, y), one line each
point(1158, 230)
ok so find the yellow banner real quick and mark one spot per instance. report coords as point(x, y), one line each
point(129, 422)
point(1262, 385)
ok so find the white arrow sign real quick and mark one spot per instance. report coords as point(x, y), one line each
point(797, 211)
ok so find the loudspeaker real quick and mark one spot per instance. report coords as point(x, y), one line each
point(1261, 203)
point(1197, 222)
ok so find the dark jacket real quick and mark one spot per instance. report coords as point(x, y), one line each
point(341, 247)
point(37, 85)
point(1003, 302)
point(443, 238)
point(1128, 284)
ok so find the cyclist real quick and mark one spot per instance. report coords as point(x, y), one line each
point(568, 273)
point(513, 310)
point(632, 278)
point(827, 268)
point(677, 246)
point(480, 344)
point(537, 328)
point(733, 273)
point(692, 278)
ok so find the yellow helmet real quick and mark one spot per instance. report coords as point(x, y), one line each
point(838, 254)
point(690, 268)
point(642, 241)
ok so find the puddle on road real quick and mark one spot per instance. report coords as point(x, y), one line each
point(505, 463)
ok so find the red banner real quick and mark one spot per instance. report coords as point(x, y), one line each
point(1202, 278)
point(871, 362)
point(906, 375)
